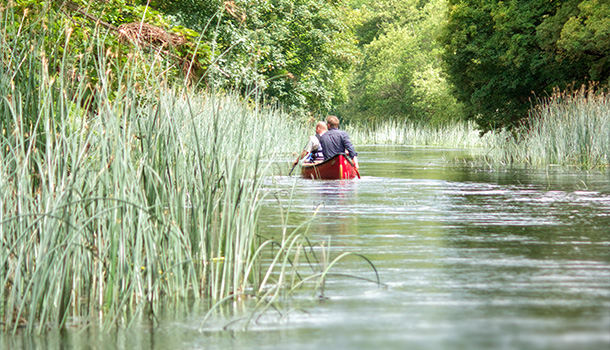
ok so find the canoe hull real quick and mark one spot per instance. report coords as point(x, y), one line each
point(339, 167)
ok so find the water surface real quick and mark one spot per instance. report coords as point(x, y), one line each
point(471, 258)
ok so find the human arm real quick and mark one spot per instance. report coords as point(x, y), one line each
point(347, 144)
point(309, 147)
point(303, 154)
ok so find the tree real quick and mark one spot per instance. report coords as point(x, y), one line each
point(302, 48)
point(401, 74)
point(296, 52)
point(499, 54)
point(586, 37)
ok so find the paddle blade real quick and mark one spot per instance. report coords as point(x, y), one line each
point(294, 165)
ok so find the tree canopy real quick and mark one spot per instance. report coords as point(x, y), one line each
point(426, 60)
point(400, 75)
point(500, 54)
point(295, 53)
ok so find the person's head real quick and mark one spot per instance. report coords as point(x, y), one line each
point(332, 121)
point(321, 128)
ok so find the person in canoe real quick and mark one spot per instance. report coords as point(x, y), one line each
point(313, 149)
point(336, 141)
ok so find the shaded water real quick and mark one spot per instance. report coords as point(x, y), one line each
point(471, 259)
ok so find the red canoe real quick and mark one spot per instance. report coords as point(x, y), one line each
point(339, 167)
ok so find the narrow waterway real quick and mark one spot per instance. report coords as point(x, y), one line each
point(470, 258)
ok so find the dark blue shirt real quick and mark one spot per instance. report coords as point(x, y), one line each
point(336, 141)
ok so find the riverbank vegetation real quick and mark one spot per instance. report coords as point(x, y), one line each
point(568, 129)
point(405, 132)
point(121, 188)
point(432, 61)
point(495, 63)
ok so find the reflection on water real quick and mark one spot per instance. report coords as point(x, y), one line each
point(473, 259)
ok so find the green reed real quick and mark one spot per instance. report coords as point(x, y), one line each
point(405, 132)
point(567, 129)
point(118, 195)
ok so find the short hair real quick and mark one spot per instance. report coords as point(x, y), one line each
point(322, 125)
point(332, 121)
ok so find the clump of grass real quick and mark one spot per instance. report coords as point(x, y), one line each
point(570, 128)
point(405, 132)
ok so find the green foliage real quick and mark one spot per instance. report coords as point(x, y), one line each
point(134, 36)
point(301, 49)
point(295, 52)
point(150, 195)
point(498, 52)
point(193, 14)
point(401, 73)
point(586, 37)
point(402, 131)
point(120, 189)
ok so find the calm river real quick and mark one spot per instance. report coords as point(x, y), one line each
point(471, 258)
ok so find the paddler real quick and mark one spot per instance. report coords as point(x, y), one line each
point(336, 141)
point(313, 149)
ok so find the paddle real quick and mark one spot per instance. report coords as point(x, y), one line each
point(294, 165)
point(357, 172)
